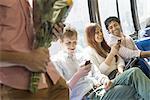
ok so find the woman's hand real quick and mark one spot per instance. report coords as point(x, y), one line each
point(108, 85)
point(115, 49)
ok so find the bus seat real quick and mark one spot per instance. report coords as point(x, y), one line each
point(144, 45)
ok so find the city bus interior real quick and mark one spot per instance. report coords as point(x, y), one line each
point(133, 14)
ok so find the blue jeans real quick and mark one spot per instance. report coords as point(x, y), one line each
point(132, 84)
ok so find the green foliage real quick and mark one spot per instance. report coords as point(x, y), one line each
point(46, 14)
point(44, 36)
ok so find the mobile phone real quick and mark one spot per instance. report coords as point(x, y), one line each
point(119, 41)
point(87, 62)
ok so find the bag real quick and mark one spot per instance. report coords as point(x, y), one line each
point(113, 74)
point(144, 66)
point(131, 63)
point(139, 62)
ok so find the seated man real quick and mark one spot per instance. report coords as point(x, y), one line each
point(128, 48)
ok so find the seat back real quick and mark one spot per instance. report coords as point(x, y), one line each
point(144, 45)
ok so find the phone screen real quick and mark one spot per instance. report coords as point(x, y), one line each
point(87, 62)
point(119, 41)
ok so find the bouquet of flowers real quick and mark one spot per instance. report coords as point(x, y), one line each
point(49, 16)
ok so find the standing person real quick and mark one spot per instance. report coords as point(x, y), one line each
point(81, 77)
point(101, 54)
point(18, 58)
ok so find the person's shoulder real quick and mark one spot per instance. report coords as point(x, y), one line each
point(128, 38)
point(89, 51)
point(57, 57)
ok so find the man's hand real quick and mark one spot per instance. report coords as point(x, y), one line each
point(84, 70)
point(38, 60)
point(107, 85)
point(57, 30)
point(35, 60)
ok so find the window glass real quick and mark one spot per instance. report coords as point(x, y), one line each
point(144, 17)
point(126, 17)
point(107, 8)
point(78, 17)
point(143, 12)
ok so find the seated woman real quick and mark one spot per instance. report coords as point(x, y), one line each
point(81, 78)
point(100, 54)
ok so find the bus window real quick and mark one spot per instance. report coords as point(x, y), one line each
point(126, 17)
point(79, 17)
point(106, 8)
point(143, 12)
point(144, 18)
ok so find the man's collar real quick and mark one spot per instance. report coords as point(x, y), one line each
point(67, 55)
point(113, 36)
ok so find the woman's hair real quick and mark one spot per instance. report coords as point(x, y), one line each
point(90, 38)
point(68, 32)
